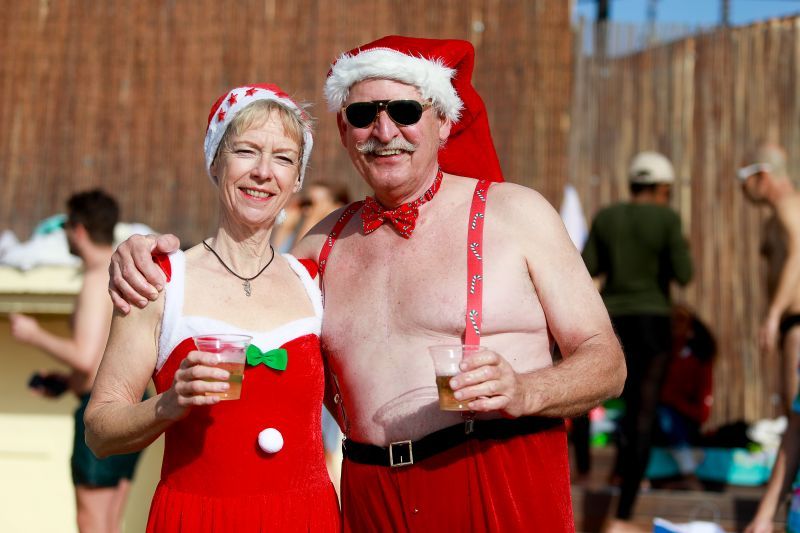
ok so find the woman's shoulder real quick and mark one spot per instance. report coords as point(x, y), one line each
point(196, 256)
point(194, 253)
point(302, 264)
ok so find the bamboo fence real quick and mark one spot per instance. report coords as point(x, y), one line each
point(703, 101)
point(116, 94)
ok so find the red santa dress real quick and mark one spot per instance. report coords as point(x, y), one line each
point(215, 477)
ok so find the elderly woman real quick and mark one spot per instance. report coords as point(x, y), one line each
point(255, 463)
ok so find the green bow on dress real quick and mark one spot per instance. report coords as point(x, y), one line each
point(276, 358)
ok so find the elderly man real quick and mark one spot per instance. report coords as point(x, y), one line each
point(437, 258)
point(766, 182)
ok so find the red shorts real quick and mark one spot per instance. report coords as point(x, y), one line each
point(517, 484)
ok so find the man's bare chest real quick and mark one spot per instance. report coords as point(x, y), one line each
point(404, 287)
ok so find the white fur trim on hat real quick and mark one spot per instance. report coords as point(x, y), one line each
point(224, 114)
point(430, 76)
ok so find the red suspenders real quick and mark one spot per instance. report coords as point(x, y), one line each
point(348, 213)
point(345, 217)
point(472, 332)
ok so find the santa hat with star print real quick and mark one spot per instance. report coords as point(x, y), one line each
point(442, 71)
point(228, 106)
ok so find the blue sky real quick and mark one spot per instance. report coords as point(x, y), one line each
point(694, 12)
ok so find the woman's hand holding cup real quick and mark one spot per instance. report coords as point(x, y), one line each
point(197, 382)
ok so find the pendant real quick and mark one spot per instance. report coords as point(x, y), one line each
point(246, 286)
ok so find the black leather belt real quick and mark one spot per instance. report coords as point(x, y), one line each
point(406, 452)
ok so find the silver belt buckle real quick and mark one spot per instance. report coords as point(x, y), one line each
point(469, 426)
point(401, 453)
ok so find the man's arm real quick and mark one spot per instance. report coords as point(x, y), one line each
point(82, 351)
point(135, 278)
point(593, 368)
point(788, 289)
point(780, 480)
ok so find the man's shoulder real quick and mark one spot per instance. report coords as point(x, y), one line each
point(310, 245)
point(94, 289)
point(515, 195)
point(612, 208)
point(668, 212)
point(656, 211)
point(626, 213)
point(502, 197)
point(95, 276)
point(517, 209)
point(611, 211)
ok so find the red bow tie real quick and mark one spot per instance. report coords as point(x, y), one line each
point(403, 217)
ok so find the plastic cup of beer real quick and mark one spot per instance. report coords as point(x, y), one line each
point(231, 350)
point(446, 358)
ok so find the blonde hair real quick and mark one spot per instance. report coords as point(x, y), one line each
point(259, 112)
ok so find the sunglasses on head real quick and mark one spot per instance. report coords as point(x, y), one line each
point(402, 112)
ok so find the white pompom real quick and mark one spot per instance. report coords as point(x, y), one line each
point(270, 440)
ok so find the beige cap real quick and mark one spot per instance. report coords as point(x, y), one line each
point(650, 168)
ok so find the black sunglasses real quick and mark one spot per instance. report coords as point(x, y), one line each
point(402, 112)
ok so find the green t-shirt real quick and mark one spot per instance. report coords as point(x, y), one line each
point(640, 248)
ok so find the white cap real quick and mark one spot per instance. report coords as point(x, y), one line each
point(745, 172)
point(649, 168)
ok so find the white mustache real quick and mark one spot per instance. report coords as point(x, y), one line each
point(372, 145)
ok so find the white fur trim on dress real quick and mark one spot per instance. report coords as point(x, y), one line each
point(430, 76)
point(216, 128)
point(173, 307)
point(192, 325)
point(175, 326)
point(311, 286)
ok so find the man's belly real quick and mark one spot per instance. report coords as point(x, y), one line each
point(390, 394)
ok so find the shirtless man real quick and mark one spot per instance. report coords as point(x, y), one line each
point(396, 283)
point(101, 486)
point(766, 182)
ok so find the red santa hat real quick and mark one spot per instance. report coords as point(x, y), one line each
point(228, 106)
point(442, 71)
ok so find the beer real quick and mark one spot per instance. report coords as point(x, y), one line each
point(447, 402)
point(235, 380)
point(230, 350)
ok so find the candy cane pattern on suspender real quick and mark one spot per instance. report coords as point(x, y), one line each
point(472, 333)
point(322, 262)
